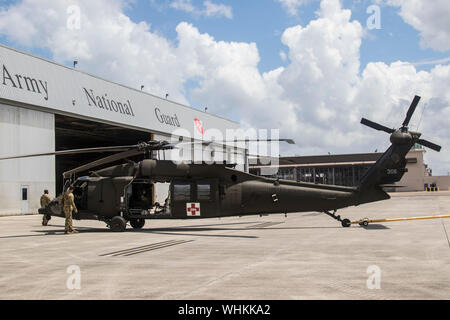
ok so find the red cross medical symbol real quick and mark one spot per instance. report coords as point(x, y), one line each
point(193, 209)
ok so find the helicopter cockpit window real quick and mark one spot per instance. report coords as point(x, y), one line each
point(80, 188)
point(80, 194)
point(181, 192)
point(203, 191)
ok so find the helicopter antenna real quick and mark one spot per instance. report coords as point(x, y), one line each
point(421, 115)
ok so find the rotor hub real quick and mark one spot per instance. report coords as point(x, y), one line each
point(401, 137)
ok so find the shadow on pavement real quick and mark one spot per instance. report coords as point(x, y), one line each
point(194, 230)
point(376, 227)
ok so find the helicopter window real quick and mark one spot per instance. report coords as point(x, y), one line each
point(203, 191)
point(181, 192)
point(81, 195)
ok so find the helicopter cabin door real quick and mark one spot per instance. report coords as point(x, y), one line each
point(194, 199)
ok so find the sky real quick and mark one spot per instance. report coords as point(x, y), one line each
point(307, 67)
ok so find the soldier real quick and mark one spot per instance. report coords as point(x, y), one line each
point(45, 200)
point(69, 207)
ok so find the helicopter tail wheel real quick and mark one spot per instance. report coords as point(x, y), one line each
point(118, 224)
point(346, 223)
point(137, 223)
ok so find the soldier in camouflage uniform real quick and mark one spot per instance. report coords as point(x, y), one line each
point(69, 207)
point(45, 200)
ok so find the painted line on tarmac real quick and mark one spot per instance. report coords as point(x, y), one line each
point(146, 248)
point(445, 231)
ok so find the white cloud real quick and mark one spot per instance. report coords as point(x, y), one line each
point(209, 9)
point(183, 5)
point(318, 98)
point(108, 43)
point(430, 18)
point(430, 62)
point(291, 6)
point(212, 9)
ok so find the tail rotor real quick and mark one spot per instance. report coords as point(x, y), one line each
point(403, 135)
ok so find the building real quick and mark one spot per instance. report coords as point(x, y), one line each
point(348, 169)
point(45, 106)
point(344, 169)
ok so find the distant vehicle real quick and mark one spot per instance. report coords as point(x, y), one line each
point(123, 193)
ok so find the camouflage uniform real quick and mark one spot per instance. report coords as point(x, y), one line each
point(45, 200)
point(69, 207)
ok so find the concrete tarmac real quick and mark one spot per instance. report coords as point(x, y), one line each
point(304, 256)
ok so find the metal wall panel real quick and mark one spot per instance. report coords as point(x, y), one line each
point(25, 131)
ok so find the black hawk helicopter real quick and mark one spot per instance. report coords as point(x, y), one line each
point(121, 193)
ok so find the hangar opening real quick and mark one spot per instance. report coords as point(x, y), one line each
point(74, 133)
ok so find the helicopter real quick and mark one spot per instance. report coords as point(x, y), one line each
point(121, 193)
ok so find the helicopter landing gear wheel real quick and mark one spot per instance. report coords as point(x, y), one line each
point(118, 224)
point(137, 223)
point(346, 223)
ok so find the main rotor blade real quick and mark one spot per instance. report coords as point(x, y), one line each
point(411, 110)
point(74, 151)
point(208, 142)
point(376, 126)
point(102, 161)
point(289, 141)
point(429, 144)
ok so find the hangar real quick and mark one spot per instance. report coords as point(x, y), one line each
point(45, 107)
